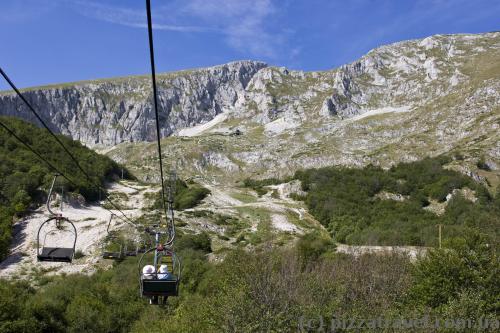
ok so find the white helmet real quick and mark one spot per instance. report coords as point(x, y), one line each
point(164, 269)
point(148, 269)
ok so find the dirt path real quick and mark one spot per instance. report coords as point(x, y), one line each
point(279, 207)
point(413, 252)
point(284, 215)
point(91, 223)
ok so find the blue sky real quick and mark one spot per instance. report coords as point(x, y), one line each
point(52, 41)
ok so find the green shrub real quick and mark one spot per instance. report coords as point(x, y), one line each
point(199, 242)
point(185, 196)
point(467, 265)
point(190, 197)
point(481, 164)
point(79, 254)
point(259, 186)
point(313, 245)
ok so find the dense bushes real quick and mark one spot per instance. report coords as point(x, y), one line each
point(270, 290)
point(23, 175)
point(313, 245)
point(189, 196)
point(107, 301)
point(259, 185)
point(267, 290)
point(186, 196)
point(200, 242)
point(348, 203)
point(468, 265)
point(275, 289)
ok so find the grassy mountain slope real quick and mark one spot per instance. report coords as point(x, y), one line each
point(401, 102)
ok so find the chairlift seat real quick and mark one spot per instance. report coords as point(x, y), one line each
point(131, 253)
point(112, 255)
point(153, 287)
point(160, 287)
point(56, 254)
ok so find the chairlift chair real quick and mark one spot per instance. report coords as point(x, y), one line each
point(55, 253)
point(155, 287)
point(132, 253)
point(142, 248)
point(113, 255)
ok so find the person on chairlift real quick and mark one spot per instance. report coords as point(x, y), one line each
point(148, 272)
point(163, 273)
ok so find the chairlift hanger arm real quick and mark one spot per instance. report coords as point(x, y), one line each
point(109, 223)
point(50, 195)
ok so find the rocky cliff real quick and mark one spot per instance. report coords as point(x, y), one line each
point(400, 102)
point(107, 112)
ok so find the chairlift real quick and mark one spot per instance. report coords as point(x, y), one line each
point(152, 286)
point(55, 252)
point(141, 247)
point(133, 252)
point(110, 254)
point(138, 245)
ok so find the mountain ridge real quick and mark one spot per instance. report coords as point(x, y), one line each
point(78, 109)
point(399, 102)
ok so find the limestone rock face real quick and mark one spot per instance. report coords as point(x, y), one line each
point(108, 112)
point(398, 102)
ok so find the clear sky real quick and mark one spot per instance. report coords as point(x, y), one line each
point(53, 41)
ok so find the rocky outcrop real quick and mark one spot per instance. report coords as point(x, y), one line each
point(398, 77)
point(108, 112)
point(399, 103)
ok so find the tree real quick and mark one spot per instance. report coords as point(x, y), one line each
point(466, 265)
point(21, 201)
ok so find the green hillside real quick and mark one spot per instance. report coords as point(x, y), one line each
point(399, 206)
point(289, 288)
point(24, 178)
point(269, 290)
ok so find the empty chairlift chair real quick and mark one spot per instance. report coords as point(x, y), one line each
point(131, 253)
point(56, 251)
point(131, 248)
point(116, 253)
point(142, 247)
point(111, 253)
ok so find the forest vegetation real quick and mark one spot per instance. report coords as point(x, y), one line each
point(269, 290)
point(24, 178)
point(272, 288)
point(348, 203)
point(186, 195)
